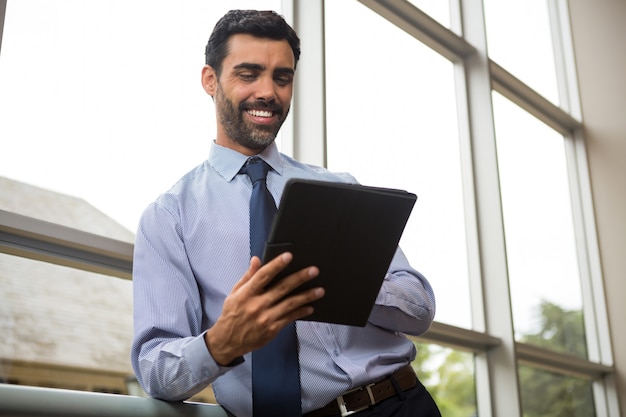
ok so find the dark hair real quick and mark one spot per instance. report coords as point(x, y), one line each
point(262, 24)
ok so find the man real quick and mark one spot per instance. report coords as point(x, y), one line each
point(200, 300)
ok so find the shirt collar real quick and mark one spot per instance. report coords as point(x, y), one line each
point(227, 162)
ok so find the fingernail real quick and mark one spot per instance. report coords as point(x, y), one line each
point(286, 257)
point(319, 292)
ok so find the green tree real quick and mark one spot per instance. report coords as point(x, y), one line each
point(449, 376)
point(547, 394)
point(560, 330)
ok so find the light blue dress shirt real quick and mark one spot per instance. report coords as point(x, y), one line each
point(192, 246)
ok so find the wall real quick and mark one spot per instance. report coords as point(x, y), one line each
point(599, 32)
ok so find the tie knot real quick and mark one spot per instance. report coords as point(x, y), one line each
point(256, 169)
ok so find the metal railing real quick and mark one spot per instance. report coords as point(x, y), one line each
point(17, 400)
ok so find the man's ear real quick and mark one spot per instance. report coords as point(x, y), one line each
point(209, 80)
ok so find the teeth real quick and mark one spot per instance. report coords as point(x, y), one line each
point(260, 113)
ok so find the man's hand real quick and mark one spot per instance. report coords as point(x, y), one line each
point(253, 315)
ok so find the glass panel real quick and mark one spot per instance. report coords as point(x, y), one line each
point(519, 39)
point(540, 241)
point(62, 327)
point(554, 395)
point(448, 374)
point(437, 9)
point(102, 99)
point(391, 122)
point(101, 103)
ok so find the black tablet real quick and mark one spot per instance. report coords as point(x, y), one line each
point(350, 232)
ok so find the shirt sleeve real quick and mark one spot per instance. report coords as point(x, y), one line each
point(405, 302)
point(169, 354)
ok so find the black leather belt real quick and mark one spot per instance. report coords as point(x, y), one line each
point(364, 397)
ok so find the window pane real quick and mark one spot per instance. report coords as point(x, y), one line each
point(101, 103)
point(519, 39)
point(550, 394)
point(391, 122)
point(448, 374)
point(540, 242)
point(62, 327)
point(437, 9)
point(102, 99)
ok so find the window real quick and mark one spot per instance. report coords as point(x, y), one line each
point(539, 228)
point(519, 36)
point(532, 154)
point(448, 375)
point(438, 10)
point(551, 394)
point(391, 120)
point(102, 110)
point(63, 327)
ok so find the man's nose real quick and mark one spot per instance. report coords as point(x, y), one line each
point(266, 89)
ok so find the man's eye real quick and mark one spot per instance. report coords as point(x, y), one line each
point(283, 80)
point(247, 76)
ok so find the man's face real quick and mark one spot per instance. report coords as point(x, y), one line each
point(253, 93)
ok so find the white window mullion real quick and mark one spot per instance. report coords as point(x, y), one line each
point(309, 109)
point(496, 372)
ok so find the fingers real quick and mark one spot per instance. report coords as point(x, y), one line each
point(287, 285)
point(286, 311)
point(253, 314)
point(281, 307)
point(286, 306)
point(276, 300)
point(264, 275)
point(297, 306)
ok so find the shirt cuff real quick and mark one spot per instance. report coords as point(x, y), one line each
point(202, 365)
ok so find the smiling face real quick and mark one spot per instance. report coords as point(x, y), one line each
point(252, 93)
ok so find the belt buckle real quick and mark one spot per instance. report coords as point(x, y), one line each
point(342, 404)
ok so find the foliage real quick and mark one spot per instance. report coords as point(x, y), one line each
point(561, 330)
point(449, 377)
point(546, 394)
point(449, 374)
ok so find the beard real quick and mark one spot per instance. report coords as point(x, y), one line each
point(243, 132)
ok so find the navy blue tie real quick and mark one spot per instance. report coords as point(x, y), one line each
point(275, 367)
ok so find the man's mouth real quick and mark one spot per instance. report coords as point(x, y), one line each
point(260, 113)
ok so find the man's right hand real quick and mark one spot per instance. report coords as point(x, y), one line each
point(253, 315)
